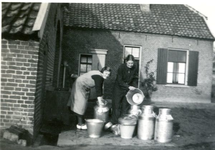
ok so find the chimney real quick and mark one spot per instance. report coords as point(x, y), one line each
point(145, 8)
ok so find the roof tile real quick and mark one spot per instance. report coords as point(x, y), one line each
point(176, 20)
point(19, 17)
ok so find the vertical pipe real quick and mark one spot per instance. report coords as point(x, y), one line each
point(64, 72)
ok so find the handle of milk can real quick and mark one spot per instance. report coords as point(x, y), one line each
point(140, 112)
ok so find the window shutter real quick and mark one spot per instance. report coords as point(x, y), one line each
point(162, 66)
point(193, 68)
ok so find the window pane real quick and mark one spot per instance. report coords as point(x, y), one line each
point(170, 67)
point(83, 59)
point(83, 68)
point(169, 77)
point(181, 78)
point(172, 56)
point(181, 67)
point(177, 56)
point(89, 67)
point(89, 59)
point(127, 51)
point(136, 52)
point(181, 56)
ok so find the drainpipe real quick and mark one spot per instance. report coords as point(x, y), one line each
point(65, 64)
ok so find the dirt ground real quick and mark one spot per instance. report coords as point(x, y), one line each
point(194, 126)
point(194, 129)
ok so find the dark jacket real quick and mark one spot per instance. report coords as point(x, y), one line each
point(126, 77)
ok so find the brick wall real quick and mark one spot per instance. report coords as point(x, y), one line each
point(46, 64)
point(27, 73)
point(213, 84)
point(19, 61)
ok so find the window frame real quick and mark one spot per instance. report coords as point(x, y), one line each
point(79, 62)
point(186, 67)
point(140, 58)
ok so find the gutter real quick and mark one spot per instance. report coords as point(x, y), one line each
point(39, 24)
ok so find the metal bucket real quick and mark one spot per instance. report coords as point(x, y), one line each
point(164, 126)
point(94, 127)
point(135, 97)
point(126, 131)
point(127, 127)
point(146, 123)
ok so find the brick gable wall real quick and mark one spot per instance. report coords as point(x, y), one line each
point(213, 84)
point(18, 82)
point(27, 73)
point(46, 64)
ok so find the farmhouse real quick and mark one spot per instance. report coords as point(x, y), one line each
point(43, 44)
point(176, 37)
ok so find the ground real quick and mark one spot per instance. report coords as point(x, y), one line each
point(194, 129)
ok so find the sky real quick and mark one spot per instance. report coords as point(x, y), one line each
point(207, 10)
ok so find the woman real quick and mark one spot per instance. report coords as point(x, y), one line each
point(80, 92)
point(127, 77)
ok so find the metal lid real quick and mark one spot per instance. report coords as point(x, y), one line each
point(164, 111)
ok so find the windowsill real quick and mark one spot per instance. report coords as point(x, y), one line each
point(176, 85)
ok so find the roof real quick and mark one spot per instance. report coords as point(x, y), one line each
point(165, 19)
point(19, 18)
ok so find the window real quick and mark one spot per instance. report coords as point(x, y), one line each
point(177, 67)
point(133, 50)
point(85, 63)
point(136, 52)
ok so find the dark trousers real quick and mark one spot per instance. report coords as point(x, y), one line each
point(80, 118)
point(120, 106)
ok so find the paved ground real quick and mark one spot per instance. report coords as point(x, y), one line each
point(77, 139)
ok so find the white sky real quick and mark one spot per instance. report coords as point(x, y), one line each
point(207, 10)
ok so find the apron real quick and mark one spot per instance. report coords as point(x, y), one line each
point(80, 92)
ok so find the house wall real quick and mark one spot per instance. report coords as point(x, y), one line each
point(81, 41)
point(213, 84)
point(19, 60)
point(27, 73)
point(46, 63)
point(113, 41)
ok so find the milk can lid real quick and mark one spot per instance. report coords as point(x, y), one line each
point(128, 120)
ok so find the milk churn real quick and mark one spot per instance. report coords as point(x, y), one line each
point(164, 126)
point(135, 111)
point(146, 123)
point(101, 112)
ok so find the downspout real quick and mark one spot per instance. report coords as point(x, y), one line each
point(65, 64)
